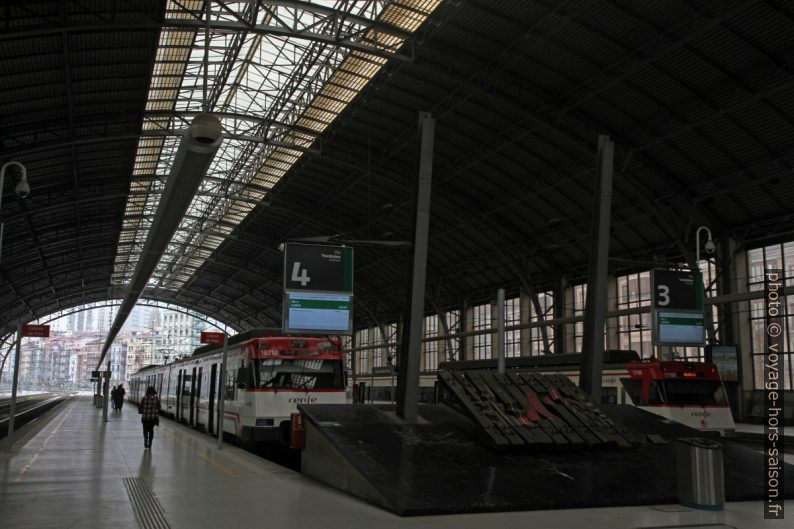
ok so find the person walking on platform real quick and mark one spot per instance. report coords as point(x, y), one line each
point(149, 408)
point(119, 400)
point(114, 397)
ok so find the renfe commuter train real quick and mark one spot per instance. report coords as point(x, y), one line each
point(267, 376)
point(687, 392)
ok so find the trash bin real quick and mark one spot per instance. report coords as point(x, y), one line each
point(701, 479)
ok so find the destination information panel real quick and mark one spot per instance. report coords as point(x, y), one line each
point(314, 312)
point(680, 327)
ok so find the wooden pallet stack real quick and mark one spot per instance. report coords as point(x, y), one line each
point(522, 409)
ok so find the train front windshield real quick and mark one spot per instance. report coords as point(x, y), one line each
point(694, 392)
point(674, 383)
point(288, 373)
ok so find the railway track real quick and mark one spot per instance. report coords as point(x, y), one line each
point(28, 408)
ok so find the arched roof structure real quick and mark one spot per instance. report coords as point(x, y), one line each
point(696, 97)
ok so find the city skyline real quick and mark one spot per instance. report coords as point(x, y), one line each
point(151, 335)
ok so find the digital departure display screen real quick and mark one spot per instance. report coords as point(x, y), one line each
point(680, 327)
point(318, 313)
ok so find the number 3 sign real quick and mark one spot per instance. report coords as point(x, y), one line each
point(677, 290)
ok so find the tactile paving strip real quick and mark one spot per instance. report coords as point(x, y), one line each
point(148, 511)
point(690, 526)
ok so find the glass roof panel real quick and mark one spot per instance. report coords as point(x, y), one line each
point(276, 76)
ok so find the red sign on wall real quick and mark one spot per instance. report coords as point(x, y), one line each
point(36, 331)
point(212, 338)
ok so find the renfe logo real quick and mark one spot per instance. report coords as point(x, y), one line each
point(302, 400)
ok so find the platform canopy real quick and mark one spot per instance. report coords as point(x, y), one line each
point(319, 104)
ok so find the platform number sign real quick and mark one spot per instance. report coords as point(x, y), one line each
point(300, 274)
point(318, 289)
point(318, 268)
point(677, 290)
point(677, 313)
point(663, 295)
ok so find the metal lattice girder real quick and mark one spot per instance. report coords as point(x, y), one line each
point(235, 126)
point(314, 24)
point(696, 101)
point(276, 74)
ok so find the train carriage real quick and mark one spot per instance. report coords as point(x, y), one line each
point(267, 376)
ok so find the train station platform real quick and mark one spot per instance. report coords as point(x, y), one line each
point(757, 430)
point(71, 470)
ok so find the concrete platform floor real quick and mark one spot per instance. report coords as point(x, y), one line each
point(71, 470)
point(755, 428)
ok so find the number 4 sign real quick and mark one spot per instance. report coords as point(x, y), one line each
point(318, 268)
point(300, 275)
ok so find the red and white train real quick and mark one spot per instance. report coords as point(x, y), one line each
point(267, 376)
point(691, 393)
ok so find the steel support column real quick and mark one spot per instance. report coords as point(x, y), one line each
point(353, 380)
point(725, 274)
point(463, 327)
point(500, 330)
point(596, 305)
point(222, 400)
point(14, 384)
point(410, 349)
point(560, 334)
point(105, 393)
point(729, 315)
point(442, 320)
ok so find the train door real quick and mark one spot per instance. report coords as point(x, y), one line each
point(211, 407)
point(178, 410)
point(170, 392)
point(160, 385)
point(199, 382)
point(192, 421)
point(222, 394)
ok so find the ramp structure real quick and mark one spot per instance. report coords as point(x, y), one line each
point(505, 443)
point(531, 410)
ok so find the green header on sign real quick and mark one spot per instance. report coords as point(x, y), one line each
point(696, 321)
point(322, 304)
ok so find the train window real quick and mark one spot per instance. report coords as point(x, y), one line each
point(245, 377)
point(695, 392)
point(634, 389)
point(609, 395)
point(297, 374)
point(230, 385)
point(172, 383)
point(205, 385)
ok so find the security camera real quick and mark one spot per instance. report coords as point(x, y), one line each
point(23, 188)
point(710, 247)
